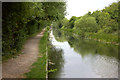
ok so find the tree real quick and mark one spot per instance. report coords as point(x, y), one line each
point(96, 15)
point(112, 10)
point(103, 18)
point(86, 24)
point(65, 22)
point(71, 21)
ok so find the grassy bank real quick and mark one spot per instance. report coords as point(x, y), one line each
point(39, 67)
point(106, 38)
point(101, 37)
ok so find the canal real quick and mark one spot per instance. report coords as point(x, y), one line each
point(73, 57)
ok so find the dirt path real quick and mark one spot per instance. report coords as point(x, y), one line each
point(16, 67)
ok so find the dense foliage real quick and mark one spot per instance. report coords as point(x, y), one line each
point(88, 22)
point(100, 25)
point(21, 20)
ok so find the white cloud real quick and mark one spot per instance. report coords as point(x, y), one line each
point(80, 7)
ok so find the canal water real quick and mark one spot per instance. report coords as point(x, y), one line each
point(73, 57)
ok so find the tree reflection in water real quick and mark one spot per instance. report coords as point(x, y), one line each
point(55, 62)
point(84, 46)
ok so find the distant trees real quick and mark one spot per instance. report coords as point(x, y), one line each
point(105, 21)
point(107, 18)
point(113, 11)
point(101, 24)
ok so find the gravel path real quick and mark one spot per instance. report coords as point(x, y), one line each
point(16, 67)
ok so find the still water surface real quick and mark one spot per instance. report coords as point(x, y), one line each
point(71, 57)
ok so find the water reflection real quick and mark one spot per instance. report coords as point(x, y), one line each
point(81, 58)
point(56, 61)
point(84, 46)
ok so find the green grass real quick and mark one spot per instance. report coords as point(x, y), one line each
point(38, 69)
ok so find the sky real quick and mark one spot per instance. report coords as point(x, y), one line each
point(80, 7)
